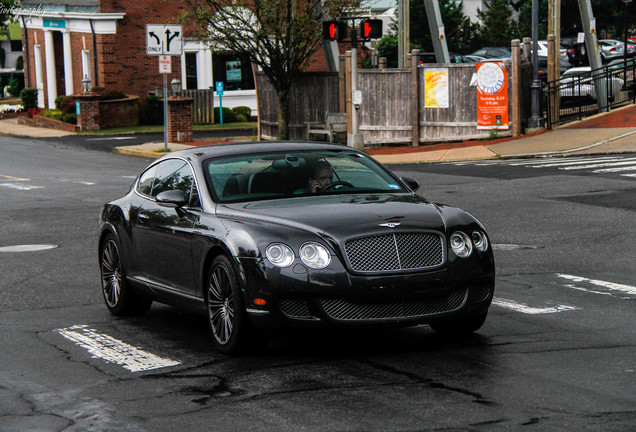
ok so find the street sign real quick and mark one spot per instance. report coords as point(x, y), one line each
point(165, 64)
point(164, 39)
point(219, 88)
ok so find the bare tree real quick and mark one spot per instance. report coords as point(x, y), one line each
point(277, 35)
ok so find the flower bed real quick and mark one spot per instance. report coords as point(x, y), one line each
point(11, 111)
point(41, 121)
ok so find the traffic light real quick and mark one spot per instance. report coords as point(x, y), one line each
point(371, 29)
point(334, 30)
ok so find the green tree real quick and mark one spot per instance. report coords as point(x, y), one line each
point(277, 35)
point(497, 25)
point(461, 32)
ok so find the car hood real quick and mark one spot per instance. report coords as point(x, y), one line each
point(342, 216)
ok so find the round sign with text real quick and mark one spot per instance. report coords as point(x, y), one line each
point(490, 78)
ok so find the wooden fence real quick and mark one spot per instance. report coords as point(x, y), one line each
point(393, 108)
point(203, 106)
point(312, 95)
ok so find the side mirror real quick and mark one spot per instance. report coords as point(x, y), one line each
point(171, 198)
point(411, 183)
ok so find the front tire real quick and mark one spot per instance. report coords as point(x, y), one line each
point(226, 310)
point(460, 327)
point(119, 297)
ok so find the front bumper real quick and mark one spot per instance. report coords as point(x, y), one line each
point(298, 296)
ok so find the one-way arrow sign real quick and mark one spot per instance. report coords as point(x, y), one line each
point(164, 39)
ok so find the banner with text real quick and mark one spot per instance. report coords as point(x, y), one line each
point(492, 96)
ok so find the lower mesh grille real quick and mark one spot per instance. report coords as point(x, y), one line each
point(295, 308)
point(480, 293)
point(342, 309)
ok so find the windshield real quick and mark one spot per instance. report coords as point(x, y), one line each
point(295, 174)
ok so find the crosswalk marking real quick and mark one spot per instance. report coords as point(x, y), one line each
point(601, 287)
point(623, 166)
point(520, 307)
point(115, 351)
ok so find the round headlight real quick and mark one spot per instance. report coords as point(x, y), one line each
point(279, 254)
point(315, 255)
point(461, 244)
point(480, 241)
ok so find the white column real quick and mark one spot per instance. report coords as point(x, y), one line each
point(184, 82)
point(68, 63)
point(200, 70)
point(49, 58)
point(39, 82)
point(207, 70)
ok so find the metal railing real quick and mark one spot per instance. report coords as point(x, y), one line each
point(575, 96)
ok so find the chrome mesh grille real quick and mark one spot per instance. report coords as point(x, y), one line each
point(342, 309)
point(295, 308)
point(390, 252)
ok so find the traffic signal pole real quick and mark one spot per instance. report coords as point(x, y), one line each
point(355, 139)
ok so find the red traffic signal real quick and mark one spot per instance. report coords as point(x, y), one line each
point(371, 29)
point(334, 30)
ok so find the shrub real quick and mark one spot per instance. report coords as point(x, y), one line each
point(58, 100)
point(69, 118)
point(228, 115)
point(244, 111)
point(108, 94)
point(67, 105)
point(241, 118)
point(29, 98)
point(15, 86)
point(52, 114)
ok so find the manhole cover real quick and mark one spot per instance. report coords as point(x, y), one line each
point(27, 248)
point(509, 247)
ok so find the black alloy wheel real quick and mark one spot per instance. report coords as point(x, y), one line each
point(118, 296)
point(226, 311)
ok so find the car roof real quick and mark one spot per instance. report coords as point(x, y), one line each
point(254, 147)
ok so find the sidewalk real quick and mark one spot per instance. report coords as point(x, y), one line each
point(613, 132)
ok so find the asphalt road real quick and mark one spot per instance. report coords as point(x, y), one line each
point(558, 351)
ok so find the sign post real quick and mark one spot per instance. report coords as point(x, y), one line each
point(165, 41)
point(219, 91)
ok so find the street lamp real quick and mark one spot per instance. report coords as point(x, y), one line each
point(536, 120)
point(86, 84)
point(175, 85)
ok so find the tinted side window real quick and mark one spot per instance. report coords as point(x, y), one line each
point(173, 174)
point(145, 181)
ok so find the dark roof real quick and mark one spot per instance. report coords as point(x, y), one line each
point(250, 147)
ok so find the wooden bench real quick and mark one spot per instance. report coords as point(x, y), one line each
point(334, 123)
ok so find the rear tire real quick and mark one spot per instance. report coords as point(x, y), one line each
point(119, 297)
point(460, 327)
point(227, 317)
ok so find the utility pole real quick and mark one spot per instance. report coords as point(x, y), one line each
point(404, 36)
point(593, 51)
point(536, 120)
point(436, 25)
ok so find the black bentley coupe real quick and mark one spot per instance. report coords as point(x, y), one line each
point(288, 234)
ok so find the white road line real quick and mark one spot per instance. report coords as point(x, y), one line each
point(115, 351)
point(20, 186)
point(610, 287)
point(628, 175)
point(628, 161)
point(78, 182)
point(565, 162)
point(631, 167)
point(129, 177)
point(520, 307)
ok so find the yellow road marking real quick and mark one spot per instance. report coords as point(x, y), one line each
point(13, 178)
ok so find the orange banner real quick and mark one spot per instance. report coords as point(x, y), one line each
point(492, 96)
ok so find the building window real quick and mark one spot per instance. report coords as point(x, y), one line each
point(234, 71)
point(16, 45)
point(191, 70)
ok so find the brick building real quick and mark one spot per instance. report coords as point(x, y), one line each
point(105, 40)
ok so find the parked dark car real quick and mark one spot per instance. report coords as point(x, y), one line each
point(454, 58)
point(234, 231)
point(493, 52)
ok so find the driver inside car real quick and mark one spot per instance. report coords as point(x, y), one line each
point(321, 176)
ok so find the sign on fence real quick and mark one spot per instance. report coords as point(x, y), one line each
point(492, 96)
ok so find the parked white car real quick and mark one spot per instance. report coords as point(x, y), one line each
point(577, 83)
